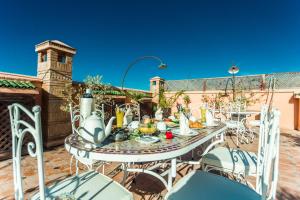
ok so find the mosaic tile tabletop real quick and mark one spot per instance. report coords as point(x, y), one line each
point(131, 146)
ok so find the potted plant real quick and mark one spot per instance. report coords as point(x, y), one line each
point(166, 103)
point(187, 101)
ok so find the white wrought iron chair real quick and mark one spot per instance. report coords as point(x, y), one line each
point(230, 160)
point(236, 125)
point(252, 124)
point(88, 185)
point(205, 185)
point(88, 163)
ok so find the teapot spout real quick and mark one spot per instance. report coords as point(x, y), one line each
point(108, 126)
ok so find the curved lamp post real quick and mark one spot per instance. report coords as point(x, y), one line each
point(160, 66)
point(232, 70)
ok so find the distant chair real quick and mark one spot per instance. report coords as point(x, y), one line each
point(75, 120)
point(230, 160)
point(204, 185)
point(88, 185)
point(236, 123)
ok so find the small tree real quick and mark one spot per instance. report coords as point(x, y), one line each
point(72, 94)
point(186, 100)
point(166, 103)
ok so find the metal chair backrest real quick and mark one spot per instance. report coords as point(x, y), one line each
point(268, 153)
point(76, 117)
point(19, 129)
point(235, 110)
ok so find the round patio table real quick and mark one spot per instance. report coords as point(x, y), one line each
point(132, 151)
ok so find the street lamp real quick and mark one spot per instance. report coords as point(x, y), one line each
point(160, 66)
point(232, 70)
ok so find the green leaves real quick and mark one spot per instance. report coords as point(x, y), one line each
point(168, 102)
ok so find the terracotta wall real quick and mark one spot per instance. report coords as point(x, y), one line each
point(283, 100)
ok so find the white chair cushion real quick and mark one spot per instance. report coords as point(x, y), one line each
point(232, 160)
point(254, 123)
point(88, 185)
point(200, 185)
point(234, 124)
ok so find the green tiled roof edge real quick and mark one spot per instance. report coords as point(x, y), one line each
point(16, 84)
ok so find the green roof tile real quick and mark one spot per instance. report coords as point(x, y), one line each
point(16, 84)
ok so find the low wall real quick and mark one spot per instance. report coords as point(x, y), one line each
point(284, 100)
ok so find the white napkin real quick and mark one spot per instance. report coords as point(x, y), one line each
point(127, 117)
point(159, 114)
point(209, 118)
point(184, 125)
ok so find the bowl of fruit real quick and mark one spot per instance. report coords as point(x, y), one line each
point(148, 128)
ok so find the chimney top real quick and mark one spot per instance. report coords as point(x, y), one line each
point(55, 44)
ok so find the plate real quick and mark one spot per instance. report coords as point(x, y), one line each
point(213, 125)
point(177, 132)
point(147, 139)
point(171, 124)
point(198, 128)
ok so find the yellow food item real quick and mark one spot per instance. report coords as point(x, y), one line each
point(147, 130)
point(195, 124)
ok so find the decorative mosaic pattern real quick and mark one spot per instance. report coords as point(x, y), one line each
point(132, 147)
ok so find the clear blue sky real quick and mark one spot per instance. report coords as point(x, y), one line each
point(195, 38)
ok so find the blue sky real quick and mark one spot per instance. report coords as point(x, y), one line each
point(195, 38)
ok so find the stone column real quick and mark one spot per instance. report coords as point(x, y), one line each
point(55, 70)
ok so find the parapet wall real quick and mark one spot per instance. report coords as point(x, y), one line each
point(285, 100)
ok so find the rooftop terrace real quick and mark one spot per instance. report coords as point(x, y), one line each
point(146, 187)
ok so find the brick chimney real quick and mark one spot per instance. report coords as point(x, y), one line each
point(55, 70)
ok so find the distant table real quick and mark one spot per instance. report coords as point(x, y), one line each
point(131, 151)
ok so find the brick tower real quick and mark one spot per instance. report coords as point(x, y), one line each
point(156, 83)
point(55, 70)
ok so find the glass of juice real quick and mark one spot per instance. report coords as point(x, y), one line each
point(120, 117)
point(203, 114)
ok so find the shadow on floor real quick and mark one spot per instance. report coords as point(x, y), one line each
point(284, 194)
point(293, 140)
point(146, 187)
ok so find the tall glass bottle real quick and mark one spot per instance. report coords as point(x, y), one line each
point(86, 105)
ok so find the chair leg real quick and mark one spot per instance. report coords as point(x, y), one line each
point(103, 168)
point(71, 162)
point(77, 168)
point(124, 167)
point(193, 154)
point(237, 137)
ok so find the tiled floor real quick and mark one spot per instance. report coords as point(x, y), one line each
point(146, 187)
